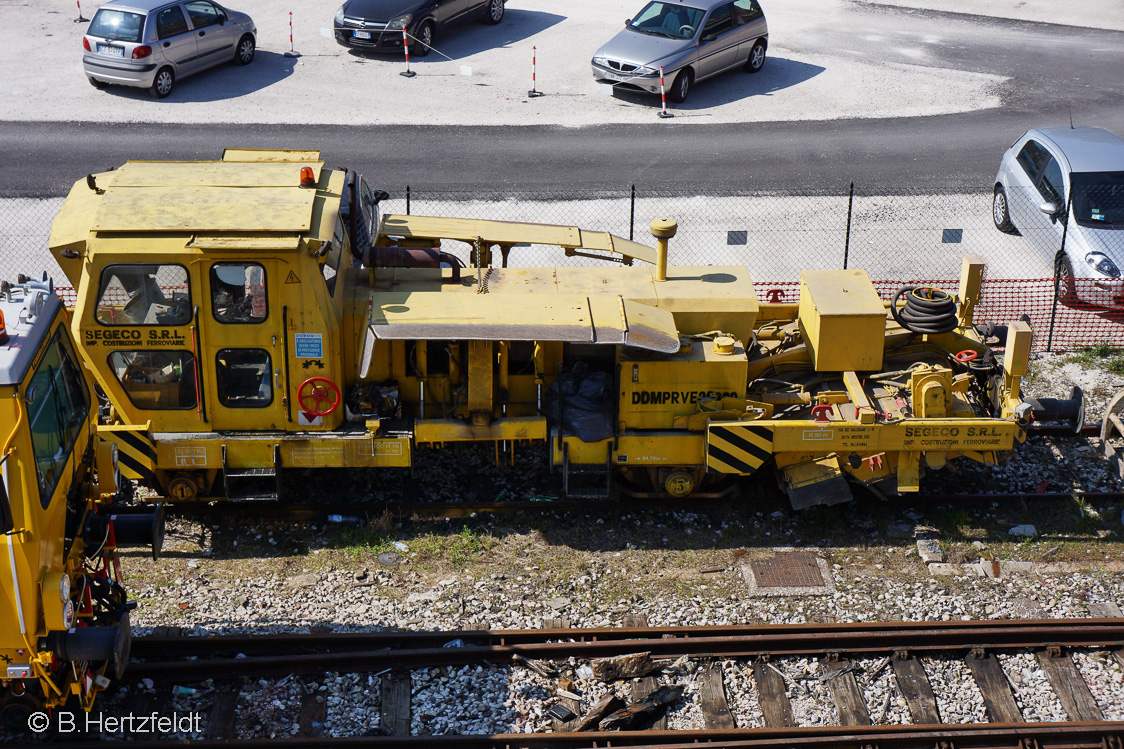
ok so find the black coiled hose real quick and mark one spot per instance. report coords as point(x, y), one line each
point(926, 310)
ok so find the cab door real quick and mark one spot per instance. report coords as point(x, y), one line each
point(176, 39)
point(212, 34)
point(243, 345)
point(718, 43)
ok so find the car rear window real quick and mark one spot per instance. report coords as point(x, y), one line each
point(120, 25)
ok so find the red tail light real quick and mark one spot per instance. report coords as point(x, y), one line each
point(86, 44)
point(307, 179)
point(142, 52)
point(3, 330)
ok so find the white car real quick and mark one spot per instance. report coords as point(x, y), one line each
point(1057, 182)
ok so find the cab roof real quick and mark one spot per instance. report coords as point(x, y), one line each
point(25, 336)
point(248, 192)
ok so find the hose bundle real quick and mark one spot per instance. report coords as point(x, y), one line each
point(926, 310)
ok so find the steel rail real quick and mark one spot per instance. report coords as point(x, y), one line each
point(1107, 735)
point(281, 655)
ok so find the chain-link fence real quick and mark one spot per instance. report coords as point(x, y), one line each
point(1059, 272)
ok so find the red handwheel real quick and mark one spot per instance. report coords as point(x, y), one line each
point(318, 396)
point(966, 356)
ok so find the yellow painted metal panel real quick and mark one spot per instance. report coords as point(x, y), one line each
point(286, 209)
point(656, 390)
point(910, 434)
point(738, 448)
point(452, 430)
point(211, 174)
point(515, 317)
point(136, 450)
point(270, 154)
point(212, 242)
point(466, 230)
point(842, 320)
point(652, 449)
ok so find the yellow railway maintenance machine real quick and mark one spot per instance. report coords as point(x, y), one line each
point(64, 622)
point(255, 314)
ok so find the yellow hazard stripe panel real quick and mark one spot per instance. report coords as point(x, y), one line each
point(136, 451)
point(738, 449)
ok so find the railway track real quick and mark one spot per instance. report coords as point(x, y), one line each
point(845, 653)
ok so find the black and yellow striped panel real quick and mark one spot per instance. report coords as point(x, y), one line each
point(741, 448)
point(136, 451)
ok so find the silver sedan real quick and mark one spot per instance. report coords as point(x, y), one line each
point(691, 39)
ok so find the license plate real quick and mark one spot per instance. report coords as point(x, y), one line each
point(105, 49)
point(362, 34)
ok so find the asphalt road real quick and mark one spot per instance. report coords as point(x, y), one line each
point(1054, 70)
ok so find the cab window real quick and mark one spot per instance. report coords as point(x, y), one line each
point(170, 22)
point(244, 377)
point(1053, 184)
point(202, 13)
point(238, 293)
point(745, 11)
point(144, 294)
point(57, 405)
point(719, 21)
point(1032, 158)
point(156, 380)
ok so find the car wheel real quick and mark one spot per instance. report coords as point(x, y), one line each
point(1067, 283)
point(999, 212)
point(244, 52)
point(96, 83)
point(681, 86)
point(163, 82)
point(423, 42)
point(756, 59)
point(493, 12)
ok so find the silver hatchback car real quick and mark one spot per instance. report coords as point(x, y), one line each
point(691, 39)
point(153, 43)
point(1065, 184)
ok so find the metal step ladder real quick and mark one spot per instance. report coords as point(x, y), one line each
point(252, 484)
point(586, 481)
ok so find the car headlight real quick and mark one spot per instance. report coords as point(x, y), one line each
point(645, 70)
point(1102, 264)
point(400, 22)
point(602, 61)
point(339, 16)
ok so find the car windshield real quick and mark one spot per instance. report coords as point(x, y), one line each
point(119, 25)
point(667, 19)
point(1098, 197)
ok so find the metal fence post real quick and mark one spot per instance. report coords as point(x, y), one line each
point(632, 214)
point(1057, 278)
point(407, 200)
point(847, 240)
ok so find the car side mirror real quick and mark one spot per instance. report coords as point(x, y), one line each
point(1050, 209)
point(708, 37)
point(627, 21)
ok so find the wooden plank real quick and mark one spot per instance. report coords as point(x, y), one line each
point(914, 686)
point(642, 687)
point(220, 724)
point(395, 708)
point(989, 676)
point(313, 712)
point(773, 699)
point(848, 697)
point(1105, 610)
point(1071, 689)
point(712, 698)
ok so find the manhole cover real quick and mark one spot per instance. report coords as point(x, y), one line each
point(389, 558)
point(788, 573)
